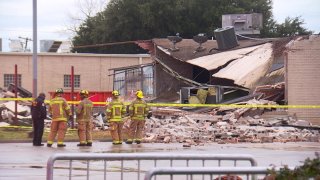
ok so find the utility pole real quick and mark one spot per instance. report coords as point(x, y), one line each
point(26, 42)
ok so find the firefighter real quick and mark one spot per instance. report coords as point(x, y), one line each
point(138, 111)
point(60, 112)
point(115, 111)
point(38, 113)
point(84, 114)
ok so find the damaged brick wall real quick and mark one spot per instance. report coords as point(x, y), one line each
point(303, 77)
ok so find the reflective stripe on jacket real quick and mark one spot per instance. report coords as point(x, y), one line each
point(59, 109)
point(115, 110)
point(84, 110)
point(138, 109)
point(38, 108)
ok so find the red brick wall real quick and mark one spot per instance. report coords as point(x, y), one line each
point(303, 77)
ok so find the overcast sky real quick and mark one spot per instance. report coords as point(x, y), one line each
point(54, 17)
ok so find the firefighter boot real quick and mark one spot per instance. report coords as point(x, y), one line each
point(61, 145)
point(129, 141)
point(81, 144)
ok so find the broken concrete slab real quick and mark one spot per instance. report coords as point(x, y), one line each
point(20, 109)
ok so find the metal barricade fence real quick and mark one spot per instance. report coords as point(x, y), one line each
point(104, 164)
point(224, 173)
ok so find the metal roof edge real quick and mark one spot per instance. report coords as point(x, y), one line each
point(75, 54)
point(131, 67)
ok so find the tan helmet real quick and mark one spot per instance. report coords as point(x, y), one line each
point(139, 94)
point(84, 93)
point(59, 91)
point(115, 93)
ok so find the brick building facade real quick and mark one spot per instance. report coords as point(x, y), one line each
point(303, 77)
point(92, 71)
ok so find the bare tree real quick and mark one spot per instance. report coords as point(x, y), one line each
point(86, 9)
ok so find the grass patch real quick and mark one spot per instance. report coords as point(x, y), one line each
point(14, 133)
point(23, 134)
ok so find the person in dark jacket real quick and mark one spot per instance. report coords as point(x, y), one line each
point(38, 113)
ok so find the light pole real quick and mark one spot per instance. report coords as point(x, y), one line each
point(34, 52)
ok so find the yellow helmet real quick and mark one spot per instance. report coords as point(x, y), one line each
point(139, 94)
point(59, 91)
point(115, 93)
point(84, 92)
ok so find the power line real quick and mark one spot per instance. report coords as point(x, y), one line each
point(107, 44)
point(13, 30)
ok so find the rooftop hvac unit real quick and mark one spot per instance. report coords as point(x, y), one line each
point(15, 45)
point(49, 45)
point(226, 38)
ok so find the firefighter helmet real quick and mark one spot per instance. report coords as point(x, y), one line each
point(115, 93)
point(59, 91)
point(84, 93)
point(139, 94)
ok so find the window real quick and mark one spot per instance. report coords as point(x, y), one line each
point(9, 78)
point(129, 80)
point(119, 81)
point(133, 80)
point(67, 81)
point(147, 80)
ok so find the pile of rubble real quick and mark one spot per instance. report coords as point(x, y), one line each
point(228, 125)
point(7, 110)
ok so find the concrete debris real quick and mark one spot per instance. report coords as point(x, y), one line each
point(7, 110)
point(6, 115)
point(21, 109)
point(164, 112)
point(302, 123)
point(4, 124)
point(272, 92)
point(227, 125)
point(98, 121)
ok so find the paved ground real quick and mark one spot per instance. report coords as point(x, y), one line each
point(24, 161)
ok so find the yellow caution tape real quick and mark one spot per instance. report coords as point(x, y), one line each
point(22, 127)
point(235, 105)
point(30, 127)
point(188, 105)
point(16, 99)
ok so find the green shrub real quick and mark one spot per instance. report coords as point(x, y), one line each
point(309, 170)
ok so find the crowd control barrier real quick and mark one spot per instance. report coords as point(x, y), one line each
point(222, 173)
point(133, 165)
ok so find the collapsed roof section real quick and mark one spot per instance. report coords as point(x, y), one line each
point(241, 66)
point(187, 47)
point(246, 70)
point(253, 63)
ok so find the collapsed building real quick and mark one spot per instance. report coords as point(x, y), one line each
point(255, 71)
point(241, 66)
point(281, 70)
